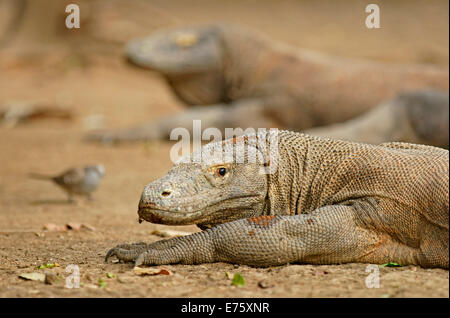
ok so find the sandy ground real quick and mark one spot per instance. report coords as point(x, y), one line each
point(104, 85)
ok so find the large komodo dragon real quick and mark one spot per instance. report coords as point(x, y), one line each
point(248, 80)
point(323, 201)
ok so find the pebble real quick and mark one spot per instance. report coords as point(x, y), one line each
point(50, 278)
point(265, 284)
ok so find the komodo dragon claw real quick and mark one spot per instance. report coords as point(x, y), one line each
point(126, 252)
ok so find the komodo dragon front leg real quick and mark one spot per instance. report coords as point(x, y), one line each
point(327, 235)
point(130, 252)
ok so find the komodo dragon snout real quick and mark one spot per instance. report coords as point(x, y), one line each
point(178, 51)
point(204, 194)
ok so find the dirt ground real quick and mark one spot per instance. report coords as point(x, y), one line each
point(99, 83)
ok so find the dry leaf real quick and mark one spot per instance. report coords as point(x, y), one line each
point(54, 227)
point(33, 276)
point(69, 226)
point(170, 233)
point(73, 226)
point(80, 226)
point(320, 273)
point(150, 271)
point(88, 227)
point(90, 286)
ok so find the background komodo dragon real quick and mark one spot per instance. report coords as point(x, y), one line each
point(326, 202)
point(248, 80)
point(420, 117)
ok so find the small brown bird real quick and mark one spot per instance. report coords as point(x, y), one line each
point(77, 181)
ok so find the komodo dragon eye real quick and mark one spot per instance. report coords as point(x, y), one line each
point(221, 171)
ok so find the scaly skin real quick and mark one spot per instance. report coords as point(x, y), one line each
point(325, 202)
point(247, 80)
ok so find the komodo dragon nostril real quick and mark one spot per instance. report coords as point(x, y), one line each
point(166, 193)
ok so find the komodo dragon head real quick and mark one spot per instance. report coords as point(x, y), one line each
point(190, 58)
point(201, 62)
point(216, 190)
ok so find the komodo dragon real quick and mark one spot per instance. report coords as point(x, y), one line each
point(420, 117)
point(324, 202)
point(248, 80)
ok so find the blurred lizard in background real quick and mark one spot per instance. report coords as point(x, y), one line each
point(234, 77)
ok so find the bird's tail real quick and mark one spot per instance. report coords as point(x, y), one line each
point(39, 176)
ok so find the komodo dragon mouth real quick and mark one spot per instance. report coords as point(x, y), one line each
point(183, 216)
point(162, 216)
